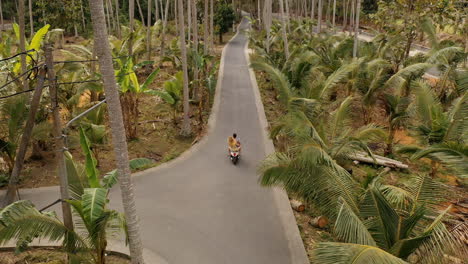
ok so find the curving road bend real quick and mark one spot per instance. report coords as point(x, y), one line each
point(203, 209)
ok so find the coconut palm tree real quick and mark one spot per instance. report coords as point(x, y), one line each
point(117, 128)
point(283, 28)
point(186, 127)
point(450, 84)
point(442, 134)
point(391, 225)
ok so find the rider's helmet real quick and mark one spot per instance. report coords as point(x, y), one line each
point(234, 135)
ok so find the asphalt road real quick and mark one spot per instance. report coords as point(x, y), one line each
point(203, 209)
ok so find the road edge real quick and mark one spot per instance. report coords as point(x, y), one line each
point(288, 221)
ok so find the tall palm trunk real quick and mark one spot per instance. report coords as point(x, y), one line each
point(156, 10)
point(189, 21)
point(117, 19)
point(206, 28)
point(117, 129)
point(345, 13)
point(131, 15)
point(2, 25)
point(328, 12)
point(111, 16)
point(283, 27)
point(334, 15)
point(267, 9)
point(22, 42)
point(186, 127)
point(312, 12)
point(140, 12)
point(351, 17)
point(288, 14)
point(83, 21)
point(195, 48)
point(211, 24)
point(31, 21)
point(356, 29)
point(319, 17)
point(148, 31)
point(107, 14)
point(163, 38)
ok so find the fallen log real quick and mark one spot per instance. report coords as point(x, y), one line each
point(319, 221)
point(379, 160)
point(296, 205)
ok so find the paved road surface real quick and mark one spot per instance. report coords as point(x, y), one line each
point(204, 209)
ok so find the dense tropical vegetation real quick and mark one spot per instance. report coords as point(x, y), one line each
point(111, 61)
point(339, 98)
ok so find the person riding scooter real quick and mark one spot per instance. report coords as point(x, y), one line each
point(233, 144)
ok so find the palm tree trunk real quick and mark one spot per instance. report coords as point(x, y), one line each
point(356, 29)
point(31, 21)
point(131, 11)
point(22, 42)
point(259, 13)
point(206, 28)
point(283, 26)
point(163, 38)
point(334, 15)
point(117, 19)
point(25, 138)
point(186, 127)
point(287, 15)
point(83, 21)
point(59, 142)
point(312, 12)
point(140, 12)
point(345, 15)
point(117, 129)
point(156, 9)
point(351, 17)
point(176, 19)
point(107, 14)
point(148, 31)
point(195, 48)
point(189, 21)
point(319, 18)
point(267, 23)
point(112, 23)
point(1, 18)
point(328, 12)
point(211, 25)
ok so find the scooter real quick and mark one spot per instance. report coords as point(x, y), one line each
point(234, 156)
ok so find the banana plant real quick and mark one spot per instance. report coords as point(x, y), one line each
point(131, 90)
point(94, 222)
point(172, 93)
point(36, 43)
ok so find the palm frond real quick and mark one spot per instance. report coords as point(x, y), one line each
point(398, 197)
point(425, 190)
point(458, 121)
point(349, 227)
point(344, 253)
point(382, 219)
point(443, 56)
point(340, 117)
point(338, 76)
point(410, 72)
point(281, 82)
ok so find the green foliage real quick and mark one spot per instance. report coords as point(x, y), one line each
point(223, 18)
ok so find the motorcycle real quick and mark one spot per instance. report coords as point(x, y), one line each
point(234, 156)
